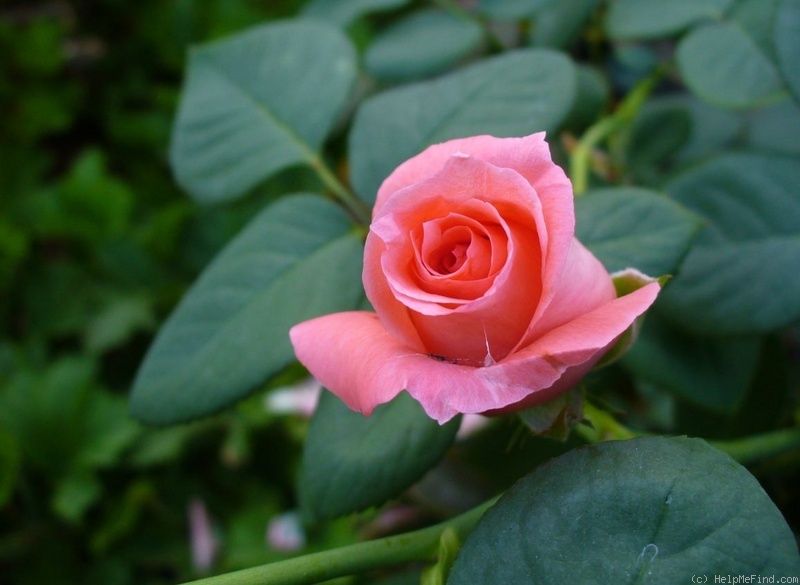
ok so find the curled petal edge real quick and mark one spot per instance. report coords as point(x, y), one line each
point(353, 356)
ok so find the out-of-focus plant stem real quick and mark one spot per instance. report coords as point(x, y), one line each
point(746, 450)
point(581, 156)
point(357, 208)
point(420, 545)
point(762, 446)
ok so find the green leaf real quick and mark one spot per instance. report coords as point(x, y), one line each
point(712, 128)
point(63, 423)
point(721, 64)
point(775, 128)
point(75, 494)
point(786, 36)
point(10, 464)
point(554, 419)
point(651, 510)
point(256, 103)
point(89, 204)
point(658, 133)
point(425, 42)
point(591, 98)
point(560, 24)
point(352, 462)
point(710, 372)
point(756, 18)
point(628, 227)
point(117, 321)
point(511, 95)
point(343, 12)
point(649, 19)
point(511, 9)
point(296, 260)
point(739, 277)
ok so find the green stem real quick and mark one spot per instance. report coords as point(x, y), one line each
point(602, 426)
point(746, 450)
point(420, 545)
point(762, 446)
point(354, 205)
point(581, 156)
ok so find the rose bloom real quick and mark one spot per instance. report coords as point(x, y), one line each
point(484, 300)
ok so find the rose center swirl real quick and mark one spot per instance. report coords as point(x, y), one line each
point(457, 255)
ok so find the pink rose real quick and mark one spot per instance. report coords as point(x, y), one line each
point(484, 300)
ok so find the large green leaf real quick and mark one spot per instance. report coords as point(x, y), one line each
point(351, 462)
point(343, 12)
point(653, 510)
point(628, 227)
point(724, 66)
point(296, 260)
point(786, 37)
point(510, 95)
point(710, 372)
point(646, 19)
point(741, 275)
point(423, 43)
point(256, 103)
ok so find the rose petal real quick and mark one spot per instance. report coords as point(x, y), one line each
point(353, 356)
point(349, 354)
point(583, 285)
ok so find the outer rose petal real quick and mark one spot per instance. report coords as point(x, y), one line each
point(349, 353)
point(353, 356)
point(584, 285)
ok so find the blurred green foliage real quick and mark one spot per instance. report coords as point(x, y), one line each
point(98, 244)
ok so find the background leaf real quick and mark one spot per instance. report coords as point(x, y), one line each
point(721, 64)
point(296, 260)
point(252, 105)
point(651, 510)
point(511, 9)
point(775, 128)
point(787, 43)
point(710, 372)
point(559, 24)
point(344, 467)
point(629, 227)
point(592, 95)
point(343, 12)
point(658, 133)
point(511, 95)
point(648, 19)
point(423, 43)
point(740, 276)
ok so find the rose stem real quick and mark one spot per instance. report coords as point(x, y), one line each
point(603, 128)
point(419, 545)
point(745, 450)
point(357, 208)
